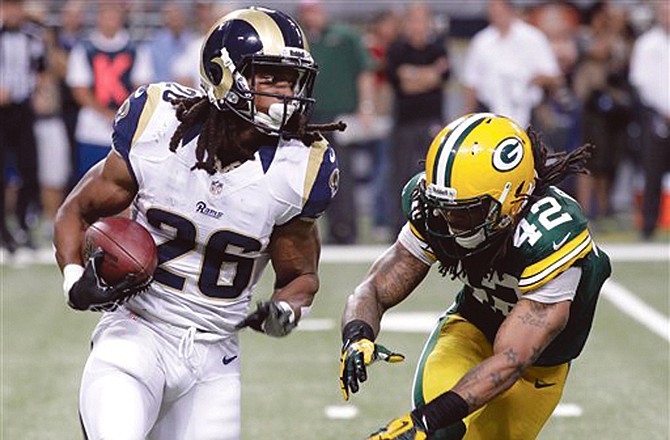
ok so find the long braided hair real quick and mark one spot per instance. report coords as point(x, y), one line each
point(551, 169)
point(219, 143)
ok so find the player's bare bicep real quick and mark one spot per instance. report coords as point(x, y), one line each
point(106, 189)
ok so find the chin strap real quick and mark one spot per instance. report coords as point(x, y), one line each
point(275, 115)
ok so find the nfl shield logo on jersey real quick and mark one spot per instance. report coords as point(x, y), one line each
point(216, 187)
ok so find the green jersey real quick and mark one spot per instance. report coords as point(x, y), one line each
point(551, 238)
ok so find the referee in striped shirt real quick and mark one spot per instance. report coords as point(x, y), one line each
point(22, 59)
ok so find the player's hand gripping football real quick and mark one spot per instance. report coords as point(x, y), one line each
point(90, 292)
point(274, 318)
point(354, 359)
point(405, 427)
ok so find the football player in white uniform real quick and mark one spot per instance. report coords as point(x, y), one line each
point(486, 211)
point(226, 179)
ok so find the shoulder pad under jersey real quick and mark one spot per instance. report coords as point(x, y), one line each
point(147, 114)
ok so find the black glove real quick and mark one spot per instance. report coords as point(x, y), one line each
point(90, 292)
point(274, 318)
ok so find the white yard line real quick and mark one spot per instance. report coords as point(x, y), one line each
point(631, 305)
point(617, 252)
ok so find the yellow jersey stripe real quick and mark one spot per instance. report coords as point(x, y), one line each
point(153, 98)
point(416, 232)
point(543, 271)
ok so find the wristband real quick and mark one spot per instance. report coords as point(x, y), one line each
point(446, 409)
point(71, 274)
point(286, 308)
point(356, 330)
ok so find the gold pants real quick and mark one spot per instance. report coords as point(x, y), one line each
point(452, 350)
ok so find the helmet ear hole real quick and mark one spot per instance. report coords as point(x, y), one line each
point(215, 73)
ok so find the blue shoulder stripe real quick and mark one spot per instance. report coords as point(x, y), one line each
point(127, 120)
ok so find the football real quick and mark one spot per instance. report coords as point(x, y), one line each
point(129, 248)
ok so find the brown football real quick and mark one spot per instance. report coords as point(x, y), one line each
point(129, 248)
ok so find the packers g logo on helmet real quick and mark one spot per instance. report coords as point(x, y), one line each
point(248, 39)
point(508, 154)
point(479, 173)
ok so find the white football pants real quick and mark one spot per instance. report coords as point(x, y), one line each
point(144, 380)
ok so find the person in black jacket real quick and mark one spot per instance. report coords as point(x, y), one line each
point(417, 71)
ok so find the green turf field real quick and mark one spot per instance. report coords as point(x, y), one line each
point(618, 389)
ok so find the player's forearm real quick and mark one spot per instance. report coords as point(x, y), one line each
point(484, 382)
point(363, 305)
point(392, 277)
point(490, 378)
point(69, 227)
point(299, 293)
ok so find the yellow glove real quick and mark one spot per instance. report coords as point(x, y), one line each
point(405, 427)
point(355, 357)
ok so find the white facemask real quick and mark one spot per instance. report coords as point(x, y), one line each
point(275, 114)
point(472, 241)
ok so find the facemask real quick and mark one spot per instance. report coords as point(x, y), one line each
point(273, 118)
point(472, 241)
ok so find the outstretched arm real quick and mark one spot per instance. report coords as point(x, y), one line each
point(390, 280)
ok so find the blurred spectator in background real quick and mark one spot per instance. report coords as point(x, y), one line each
point(508, 65)
point(186, 67)
point(22, 60)
point(102, 72)
point(382, 32)
point(558, 115)
point(69, 33)
point(417, 70)
point(53, 147)
point(650, 75)
point(602, 86)
point(170, 41)
point(344, 87)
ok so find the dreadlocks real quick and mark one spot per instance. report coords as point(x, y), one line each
point(219, 143)
point(551, 169)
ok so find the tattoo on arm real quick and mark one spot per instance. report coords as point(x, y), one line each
point(390, 280)
point(397, 277)
point(521, 339)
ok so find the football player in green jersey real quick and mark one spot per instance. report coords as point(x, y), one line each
point(486, 211)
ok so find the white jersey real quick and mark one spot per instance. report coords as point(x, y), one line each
point(212, 231)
